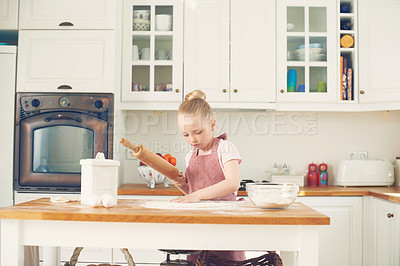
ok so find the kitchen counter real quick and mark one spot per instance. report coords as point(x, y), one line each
point(386, 193)
point(135, 224)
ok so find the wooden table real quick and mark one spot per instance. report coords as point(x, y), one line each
point(134, 225)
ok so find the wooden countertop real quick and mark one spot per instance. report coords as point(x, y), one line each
point(386, 193)
point(137, 211)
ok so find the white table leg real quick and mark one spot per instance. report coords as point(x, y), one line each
point(51, 256)
point(309, 242)
point(12, 249)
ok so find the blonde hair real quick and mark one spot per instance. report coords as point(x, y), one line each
point(195, 104)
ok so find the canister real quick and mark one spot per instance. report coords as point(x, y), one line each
point(98, 177)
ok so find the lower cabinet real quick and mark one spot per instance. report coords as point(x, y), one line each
point(341, 241)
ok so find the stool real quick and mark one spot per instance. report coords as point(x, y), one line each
point(169, 262)
point(207, 258)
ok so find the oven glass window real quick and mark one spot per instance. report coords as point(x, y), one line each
point(58, 149)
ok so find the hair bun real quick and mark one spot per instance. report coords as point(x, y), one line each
point(196, 94)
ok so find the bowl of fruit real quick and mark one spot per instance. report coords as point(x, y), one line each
point(151, 176)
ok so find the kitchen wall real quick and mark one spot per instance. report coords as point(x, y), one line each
point(265, 138)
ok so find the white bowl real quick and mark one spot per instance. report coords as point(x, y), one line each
point(272, 195)
point(152, 177)
point(317, 57)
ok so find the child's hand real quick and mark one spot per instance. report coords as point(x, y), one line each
point(187, 199)
point(180, 180)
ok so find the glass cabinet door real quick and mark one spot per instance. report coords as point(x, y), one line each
point(152, 53)
point(306, 51)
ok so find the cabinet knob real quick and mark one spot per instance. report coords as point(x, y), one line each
point(224, 90)
point(235, 90)
point(362, 92)
point(390, 215)
point(176, 90)
point(282, 90)
point(65, 24)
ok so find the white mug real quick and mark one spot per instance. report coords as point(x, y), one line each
point(161, 55)
point(135, 52)
point(145, 54)
point(163, 22)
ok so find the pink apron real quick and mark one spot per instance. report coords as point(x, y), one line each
point(204, 171)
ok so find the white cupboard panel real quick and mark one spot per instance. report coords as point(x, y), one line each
point(253, 51)
point(69, 61)
point(68, 14)
point(206, 53)
point(9, 14)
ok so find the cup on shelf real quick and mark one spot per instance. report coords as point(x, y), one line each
point(145, 54)
point(301, 88)
point(161, 55)
point(135, 52)
point(321, 86)
point(291, 80)
point(141, 14)
point(163, 22)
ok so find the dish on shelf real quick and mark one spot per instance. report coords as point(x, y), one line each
point(317, 57)
point(311, 45)
point(141, 25)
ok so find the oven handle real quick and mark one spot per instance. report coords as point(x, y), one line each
point(63, 117)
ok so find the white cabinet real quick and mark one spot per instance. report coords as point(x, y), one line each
point(66, 61)
point(307, 51)
point(152, 52)
point(379, 36)
point(341, 241)
point(8, 14)
point(230, 55)
point(67, 14)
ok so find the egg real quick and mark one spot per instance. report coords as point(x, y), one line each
point(94, 201)
point(108, 200)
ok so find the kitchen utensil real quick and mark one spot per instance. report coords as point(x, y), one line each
point(152, 177)
point(272, 195)
point(151, 159)
point(365, 173)
point(145, 54)
point(163, 22)
point(99, 177)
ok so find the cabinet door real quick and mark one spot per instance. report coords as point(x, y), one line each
point(383, 231)
point(67, 14)
point(341, 241)
point(9, 14)
point(153, 52)
point(206, 41)
point(306, 51)
point(379, 38)
point(66, 61)
point(253, 51)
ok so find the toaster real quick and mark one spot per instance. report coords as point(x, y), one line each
point(365, 173)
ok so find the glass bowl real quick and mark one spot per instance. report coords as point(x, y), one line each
point(272, 195)
point(151, 176)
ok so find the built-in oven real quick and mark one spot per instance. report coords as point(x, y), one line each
point(53, 133)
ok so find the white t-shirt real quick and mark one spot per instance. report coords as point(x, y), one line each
point(226, 152)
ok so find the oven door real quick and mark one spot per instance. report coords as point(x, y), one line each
point(51, 146)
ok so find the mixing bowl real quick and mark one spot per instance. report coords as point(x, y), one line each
point(152, 177)
point(272, 195)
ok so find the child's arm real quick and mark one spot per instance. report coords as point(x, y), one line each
point(181, 183)
point(229, 185)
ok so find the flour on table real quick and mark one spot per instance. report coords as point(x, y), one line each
point(204, 205)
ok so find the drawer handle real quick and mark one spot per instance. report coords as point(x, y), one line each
point(224, 90)
point(65, 23)
point(235, 90)
point(64, 87)
point(282, 90)
point(63, 117)
point(390, 215)
point(177, 90)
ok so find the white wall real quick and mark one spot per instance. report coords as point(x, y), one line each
point(265, 138)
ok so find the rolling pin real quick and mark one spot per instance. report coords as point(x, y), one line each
point(151, 159)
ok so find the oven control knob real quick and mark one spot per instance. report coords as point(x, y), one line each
point(35, 102)
point(98, 104)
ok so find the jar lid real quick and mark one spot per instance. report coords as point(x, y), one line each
point(100, 160)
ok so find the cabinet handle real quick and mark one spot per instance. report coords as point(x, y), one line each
point(64, 87)
point(282, 90)
point(224, 90)
point(176, 90)
point(390, 215)
point(68, 24)
point(362, 92)
point(235, 90)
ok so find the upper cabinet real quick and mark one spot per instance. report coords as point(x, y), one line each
point(307, 51)
point(66, 61)
point(8, 14)
point(230, 55)
point(379, 38)
point(153, 53)
point(66, 14)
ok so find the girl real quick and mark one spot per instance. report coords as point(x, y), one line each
point(212, 166)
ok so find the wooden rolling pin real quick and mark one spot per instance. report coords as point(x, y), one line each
point(151, 159)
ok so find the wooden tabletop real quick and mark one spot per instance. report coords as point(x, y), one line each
point(139, 211)
point(387, 193)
